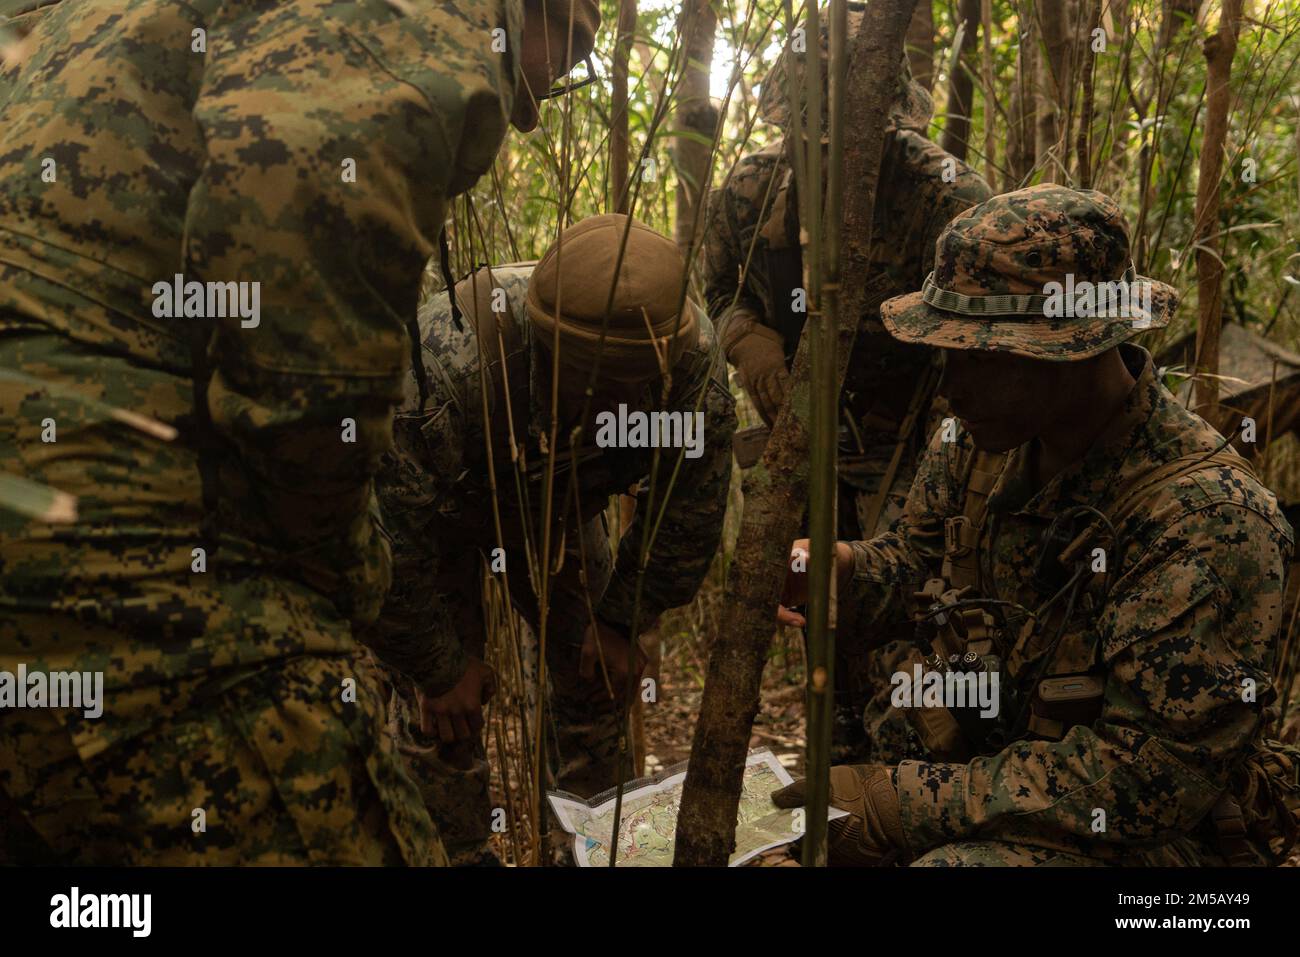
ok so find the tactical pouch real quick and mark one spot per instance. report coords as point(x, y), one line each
point(1062, 702)
point(1266, 794)
point(941, 735)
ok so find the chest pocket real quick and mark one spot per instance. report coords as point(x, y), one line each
point(426, 466)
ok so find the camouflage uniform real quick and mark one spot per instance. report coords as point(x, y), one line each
point(437, 506)
point(751, 262)
point(1192, 612)
point(227, 157)
point(751, 256)
point(1183, 621)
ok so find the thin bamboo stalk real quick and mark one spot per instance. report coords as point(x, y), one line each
point(990, 94)
point(823, 448)
point(776, 488)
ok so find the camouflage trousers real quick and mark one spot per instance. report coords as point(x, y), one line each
point(583, 720)
point(268, 765)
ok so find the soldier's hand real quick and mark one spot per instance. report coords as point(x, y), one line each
point(872, 833)
point(795, 592)
point(759, 357)
point(457, 715)
point(620, 656)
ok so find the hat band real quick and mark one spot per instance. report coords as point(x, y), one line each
point(1025, 304)
point(622, 358)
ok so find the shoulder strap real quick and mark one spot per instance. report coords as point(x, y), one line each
point(1142, 487)
point(962, 533)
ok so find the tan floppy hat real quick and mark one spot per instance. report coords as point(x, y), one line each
point(1043, 272)
point(644, 336)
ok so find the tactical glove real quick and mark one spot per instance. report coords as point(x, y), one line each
point(759, 356)
point(872, 834)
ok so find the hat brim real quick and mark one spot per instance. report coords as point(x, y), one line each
point(911, 319)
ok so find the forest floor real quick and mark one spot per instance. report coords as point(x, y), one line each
point(779, 726)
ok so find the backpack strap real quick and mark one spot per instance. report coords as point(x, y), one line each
point(1142, 487)
point(961, 533)
point(1138, 490)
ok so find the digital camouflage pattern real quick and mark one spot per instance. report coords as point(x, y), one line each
point(751, 262)
point(997, 260)
point(453, 780)
point(228, 157)
point(279, 767)
point(1189, 616)
point(436, 502)
point(753, 232)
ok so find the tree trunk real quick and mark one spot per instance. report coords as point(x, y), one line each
point(696, 116)
point(776, 490)
point(920, 44)
point(619, 148)
point(1021, 151)
point(961, 84)
point(990, 94)
point(1115, 18)
point(1175, 14)
point(1087, 61)
point(1055, 86)
point(1219, 49)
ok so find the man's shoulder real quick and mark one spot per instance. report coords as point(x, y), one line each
point(936, 173)
point(753, 172)
point(1184, 479)
point(700, 363)
point(490, 289)
point(450, 346)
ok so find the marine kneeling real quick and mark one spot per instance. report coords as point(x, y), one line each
point(1076, 531)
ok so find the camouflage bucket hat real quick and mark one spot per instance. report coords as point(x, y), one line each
point(911, 108)
point(1042, 272)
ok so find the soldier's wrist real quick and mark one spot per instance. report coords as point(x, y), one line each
point(438, 681)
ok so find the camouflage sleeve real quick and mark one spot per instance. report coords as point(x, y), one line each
point(890, 567)
point(967, 189)
point(732, 216)
point(934, 187)
point(1188, 641)
point(331, 144)
point(690, 530)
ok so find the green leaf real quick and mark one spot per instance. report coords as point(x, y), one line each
point(36, 501)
